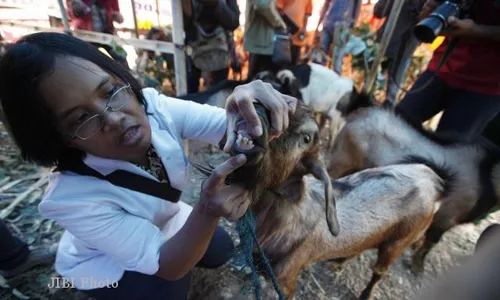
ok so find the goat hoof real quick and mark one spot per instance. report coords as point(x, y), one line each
point(415, 266)
point(365, 295)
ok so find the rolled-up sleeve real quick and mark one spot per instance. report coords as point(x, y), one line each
point(195, 121)
point(132, 241)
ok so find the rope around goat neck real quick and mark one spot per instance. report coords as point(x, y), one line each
point(246, 230)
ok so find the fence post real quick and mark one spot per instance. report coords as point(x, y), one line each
point(179, 55)
point(178, 39)
point(384, 43)
point(64, 17)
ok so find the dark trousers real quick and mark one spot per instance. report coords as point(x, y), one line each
point(259, 63)
point(13, 251)
point(465, 112)
point(193, 75)
point(295, 51)
point(113, 54)
point(135, 286)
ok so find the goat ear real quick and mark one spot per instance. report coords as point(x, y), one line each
point(318, 170)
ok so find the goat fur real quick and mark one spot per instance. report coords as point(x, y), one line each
point(386, 208)
point(374, 137)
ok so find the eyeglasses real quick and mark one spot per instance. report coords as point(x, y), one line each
point(119, 99)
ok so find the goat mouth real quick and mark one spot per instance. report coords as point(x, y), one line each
point(253, 148)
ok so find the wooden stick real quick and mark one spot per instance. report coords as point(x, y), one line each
point(316, 282)
point(4, 181)
point(16, 182)
point(7, 211)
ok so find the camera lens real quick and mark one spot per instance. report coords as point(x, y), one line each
point(427, 30)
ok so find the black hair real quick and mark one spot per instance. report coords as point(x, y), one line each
point(22, 68)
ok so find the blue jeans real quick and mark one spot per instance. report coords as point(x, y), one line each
point(465, 112)
point(135, 286)
point(326, 38)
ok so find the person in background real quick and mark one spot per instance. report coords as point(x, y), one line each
point(467, 87)
point(210, 15)
point(334, 12)
point(262, 21)
point(402, 44)
point(16, 257)
point(298, 12)
point(97, 16)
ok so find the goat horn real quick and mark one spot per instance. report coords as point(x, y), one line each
point(318, 170)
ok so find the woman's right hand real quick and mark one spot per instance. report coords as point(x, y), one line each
point(218, 199)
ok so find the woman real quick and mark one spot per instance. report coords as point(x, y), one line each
point(68, 105)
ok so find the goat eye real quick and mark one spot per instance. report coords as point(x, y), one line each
point(307, 138)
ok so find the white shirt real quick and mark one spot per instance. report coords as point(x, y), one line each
point(110, 229)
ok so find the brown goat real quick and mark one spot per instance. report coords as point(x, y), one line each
point(374, 137)
point(386, 208)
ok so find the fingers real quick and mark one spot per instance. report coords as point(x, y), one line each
point(230, 137)
point(237, 207)
point(291, 102)
point(241, 102)
point(219, 174)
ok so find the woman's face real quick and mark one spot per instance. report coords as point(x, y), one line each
point(79, 89)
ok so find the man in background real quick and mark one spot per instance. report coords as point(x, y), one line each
point(297, 12)
point(97, 16)
point(337, 13)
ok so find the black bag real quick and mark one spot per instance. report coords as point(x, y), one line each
point(210, 51)
point(282, 53)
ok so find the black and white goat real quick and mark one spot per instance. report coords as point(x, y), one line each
point(321, 89)
point(374, 137)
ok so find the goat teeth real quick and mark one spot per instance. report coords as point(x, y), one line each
point(243, 142)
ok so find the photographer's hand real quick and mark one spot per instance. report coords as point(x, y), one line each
point(469, 28)
point(428, 7)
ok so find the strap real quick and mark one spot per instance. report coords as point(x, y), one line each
point(130, 181)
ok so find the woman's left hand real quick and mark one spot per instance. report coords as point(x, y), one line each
point(240, 102)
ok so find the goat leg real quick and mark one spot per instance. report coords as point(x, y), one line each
point(387, 255)
point(432, 237)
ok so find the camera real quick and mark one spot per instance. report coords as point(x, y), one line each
point(429, 28)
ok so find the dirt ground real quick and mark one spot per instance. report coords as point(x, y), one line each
point(319, 281)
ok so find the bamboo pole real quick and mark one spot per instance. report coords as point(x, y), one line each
point(64, 17)
point(136, 28)
point(386, 37)
point(178, 38)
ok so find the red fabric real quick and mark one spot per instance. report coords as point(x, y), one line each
point(85, 22)
point(474, 64)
